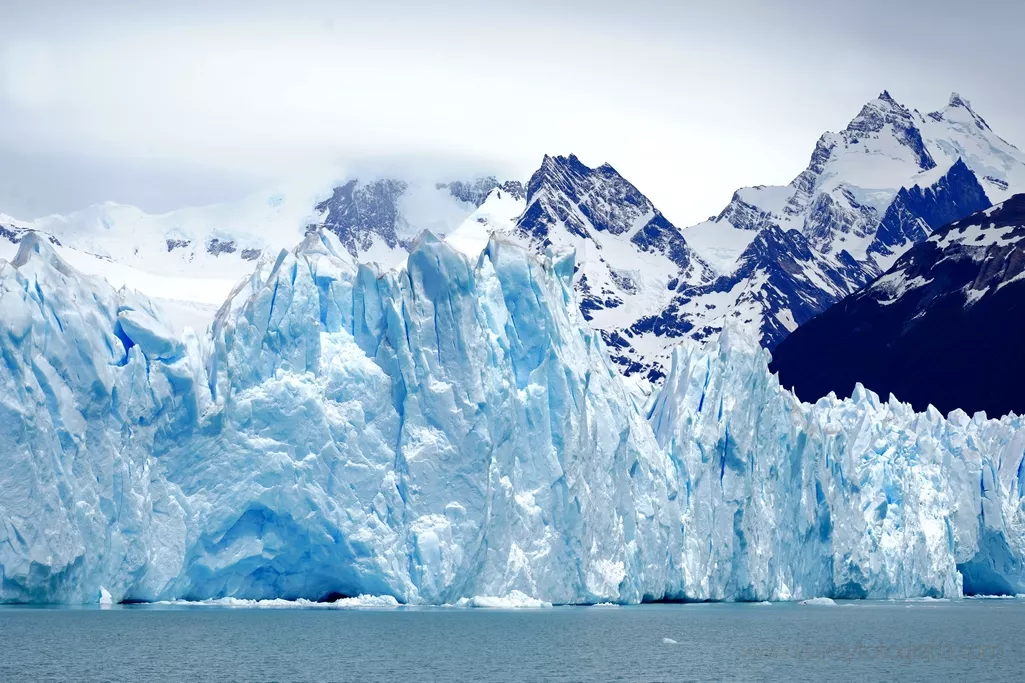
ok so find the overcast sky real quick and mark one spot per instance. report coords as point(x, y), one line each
point(162, 104)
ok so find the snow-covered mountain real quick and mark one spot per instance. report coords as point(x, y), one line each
point(779, 281)
point(839, 200)
point(189, 259)
point(629, 256)
point(943, 326)
point(773, 258)
point(917, 211)
point(378, 221)
point(870, 192)
point(450, 429)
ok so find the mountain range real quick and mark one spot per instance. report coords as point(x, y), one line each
point(942, 327)
point(773, 258)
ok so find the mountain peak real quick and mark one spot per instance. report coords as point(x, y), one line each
point(886, 111)
point(567, 182)
point(960, 109)
point(959, 166)
point(883, 104)
point(558, 162)
point(957, 101)
point(569, 176)
point(886, 103)
point(878, 112)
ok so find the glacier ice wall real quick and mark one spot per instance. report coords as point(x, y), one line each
point(450, 430)
point(90, 384)
point(455, 429)
point(856, 498)
point(447, 431)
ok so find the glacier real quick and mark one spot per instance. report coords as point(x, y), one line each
point(455, 429)
point(854, 498)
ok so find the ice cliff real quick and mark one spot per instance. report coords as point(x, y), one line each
point(854, 498)
point(455, 429)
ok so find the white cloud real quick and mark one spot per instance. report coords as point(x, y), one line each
point(688, 103)
point(27, 75)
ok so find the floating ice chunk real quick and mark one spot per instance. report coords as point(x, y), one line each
point(514, 600)
point(824, 602)
point(365, 602)
point(669, 641)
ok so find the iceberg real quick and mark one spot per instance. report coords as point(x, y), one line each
point(454, 429)
point(515, 600)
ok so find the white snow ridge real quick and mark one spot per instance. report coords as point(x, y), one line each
point(453, 430)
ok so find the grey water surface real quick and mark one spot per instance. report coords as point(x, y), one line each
point(934, 641)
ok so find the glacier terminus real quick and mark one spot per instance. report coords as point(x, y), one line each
point(454, 428)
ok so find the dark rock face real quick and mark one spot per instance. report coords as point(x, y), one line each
point(567, 197)
point(805, 182)
point(958, 102)
point(794, 283)
point(786, 282)
point(745, 216)
point(943, 326)
point(829, 216)
point(360, 213)
point(357, 212)
point(177, 244)
point(514, 188)
point(916, 212)
point(15, 235)
point(476, 191)
point(585, 200)
point(622, 353)
point(1002, 184)
point(885, 110)
point(660, 236)
point(11, 234)
point(218, 247)
point(566, 191)
point(591, 300)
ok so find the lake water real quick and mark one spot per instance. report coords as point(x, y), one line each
point(959, 640)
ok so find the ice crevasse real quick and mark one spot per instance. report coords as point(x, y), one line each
point(455, 429)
